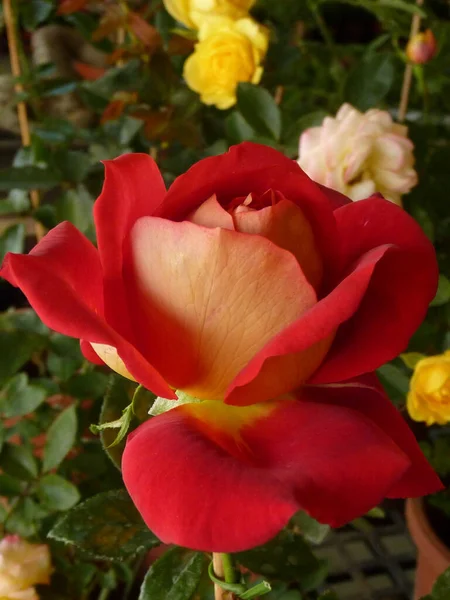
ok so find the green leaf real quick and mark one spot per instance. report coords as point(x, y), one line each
point(60, 438)
point(56, 493)
point(19, 398)
point(443, 292)
point(76, 206)
point(12, 240)
point(441, 589)
point(411, 359)
point(259, 109)
point(313, 531)
point(237, 128)
point(395, 377)
point(286, 557)
point(73, 165)
point(10, 486)
point(18, 461)
point(25, 344)
point(370, 81)
point(130, 127)
point(28, 178)
point(107, 526)
point(88, 385)
point(35, 12)
point(17, 202)
point(175, 576)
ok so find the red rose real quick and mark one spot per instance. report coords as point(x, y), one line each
point(266, 297)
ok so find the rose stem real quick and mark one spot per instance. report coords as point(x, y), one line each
point(223, 569)
point(407, 78)
point(11, 32)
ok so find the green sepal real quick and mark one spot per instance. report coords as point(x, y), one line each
point(123, 424)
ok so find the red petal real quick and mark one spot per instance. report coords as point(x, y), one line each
point(221, 478)
point(335, 198)
point(61, 278)
point(90, 354)
point(402, 286)
point(367, 396)
point(318, 323)
point(133, 189)
point(248, 168)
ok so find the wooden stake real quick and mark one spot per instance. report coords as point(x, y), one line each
point(11, 32)
point(407, 78)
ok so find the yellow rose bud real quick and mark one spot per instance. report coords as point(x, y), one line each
point(22, 566)
point(192, 12)
point(422, 47)
point(227, 52)
point(428, 398)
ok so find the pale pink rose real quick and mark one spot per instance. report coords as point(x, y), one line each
point(359, 154)
point(22, 565)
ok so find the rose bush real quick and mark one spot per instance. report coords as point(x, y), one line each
point(269, 300)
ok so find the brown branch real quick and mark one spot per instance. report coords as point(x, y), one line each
point(407, 78)
point(24, 125)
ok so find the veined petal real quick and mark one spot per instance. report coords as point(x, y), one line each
point(286, 226)
point(211, 298)
point(310, 332)
point(61, 278)
point(224, 479)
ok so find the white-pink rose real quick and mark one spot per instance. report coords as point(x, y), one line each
point(359, 154)
point(22, 566)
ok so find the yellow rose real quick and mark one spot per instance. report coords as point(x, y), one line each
point(22, 565)
point(192, 12)
point(227, 52)
point(428, 398)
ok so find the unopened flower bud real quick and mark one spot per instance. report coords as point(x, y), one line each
point(422, 47)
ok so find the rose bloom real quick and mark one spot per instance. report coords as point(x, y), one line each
point(360, 154)
point(227, 52)
point(267, 299)
point(422, 47)
point(193, 12)
point(428, 398)
point(22, 565)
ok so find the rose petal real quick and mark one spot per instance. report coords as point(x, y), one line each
point(133, 188)
point(367, 396)
point(210, 299)
point(211, 214)
point(317, 324)
point(285, 225)
point(403, 284)
point(225, 479)
point(253, 168)
point(61, 278)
